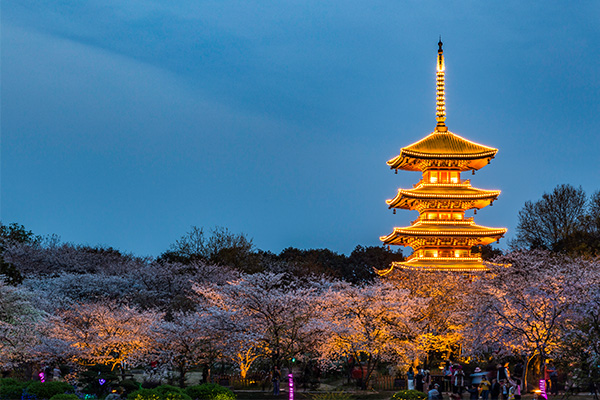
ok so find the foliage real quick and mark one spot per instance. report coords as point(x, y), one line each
point(64, 397)
point(11, 389)
point(144, 394)
point(90, 379)
point(163, 392)
point(45, 390)
point(19, 321)
point(222, 247)
point(210, 391)
point(107, 333)
point(409, 395)
point(332, 396)
point(129, 385)
point(274, 314)
point(563, 220)
point(370, 323)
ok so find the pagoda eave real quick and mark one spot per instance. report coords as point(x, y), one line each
point(414, 162)
point(414, 199)
point(456, 265)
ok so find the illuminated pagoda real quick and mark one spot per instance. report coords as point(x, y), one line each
point(442, 237)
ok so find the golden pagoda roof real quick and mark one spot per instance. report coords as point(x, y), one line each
point(408, 198)
point(443, 229)
point(443, 145)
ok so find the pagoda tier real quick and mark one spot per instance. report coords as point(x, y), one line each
point(442, 237)
point(452, 196)
point(443, 233)
point(443, 149)
point(473, 264)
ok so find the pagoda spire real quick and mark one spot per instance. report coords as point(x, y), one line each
point(440, 114)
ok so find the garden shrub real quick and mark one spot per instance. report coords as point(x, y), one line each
point(164, 389)
point(9, 382)
point(11, 389)
point(45, 390)
point(332, 396)
point(144, 394)
point(64, 397)
point(210, 391)
point(164, 392)
point(129, 385)
point(409, 395)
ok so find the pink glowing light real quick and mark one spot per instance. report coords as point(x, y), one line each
point(291, 386)
point(543, 394)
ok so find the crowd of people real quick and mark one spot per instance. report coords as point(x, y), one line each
point(494, 384)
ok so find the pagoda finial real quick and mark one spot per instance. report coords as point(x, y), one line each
point(440, 113)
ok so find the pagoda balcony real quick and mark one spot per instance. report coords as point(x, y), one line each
point(460, 182)
point(463, 221)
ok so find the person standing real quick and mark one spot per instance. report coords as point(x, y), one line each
point(419, 380)
point(426, 381)
point(476, 376)
point(495, 389)
point(502, 373)
point(458, 380)
point(553, 377)
point(434, 393)
point(484, 387)
point(410, 377)
point(447, 372)
point(504, 389)
point(276, 379)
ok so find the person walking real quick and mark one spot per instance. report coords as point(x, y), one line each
point(276, 378)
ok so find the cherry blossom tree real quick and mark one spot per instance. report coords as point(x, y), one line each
point(19, 321)
point(188, 340)
point(277, 311)
point(441, 320)
point(107, 333)
point(526, 304)
point(373, 323)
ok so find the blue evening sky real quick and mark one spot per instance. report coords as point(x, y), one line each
point(124, 122)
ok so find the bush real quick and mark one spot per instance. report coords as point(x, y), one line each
point(409, 395)
point(129, 385)
point(164, 389)
point(210, 391)
point(144, 394)
point(164, 392)
point(332, 396)
point(64, 397)
point(45, 390)
point(11, 390)
point(9, 382)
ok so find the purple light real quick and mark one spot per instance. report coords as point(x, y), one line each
point(42, 377)
point(101, 381)
point(291, 385)
point(543, 394)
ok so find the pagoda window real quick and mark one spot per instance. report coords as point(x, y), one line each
point(454, 177)
point(433, 177)
point(443, 176)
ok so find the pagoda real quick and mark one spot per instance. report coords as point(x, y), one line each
point(442, 237)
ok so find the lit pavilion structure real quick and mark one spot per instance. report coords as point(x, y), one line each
point(441, 236)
